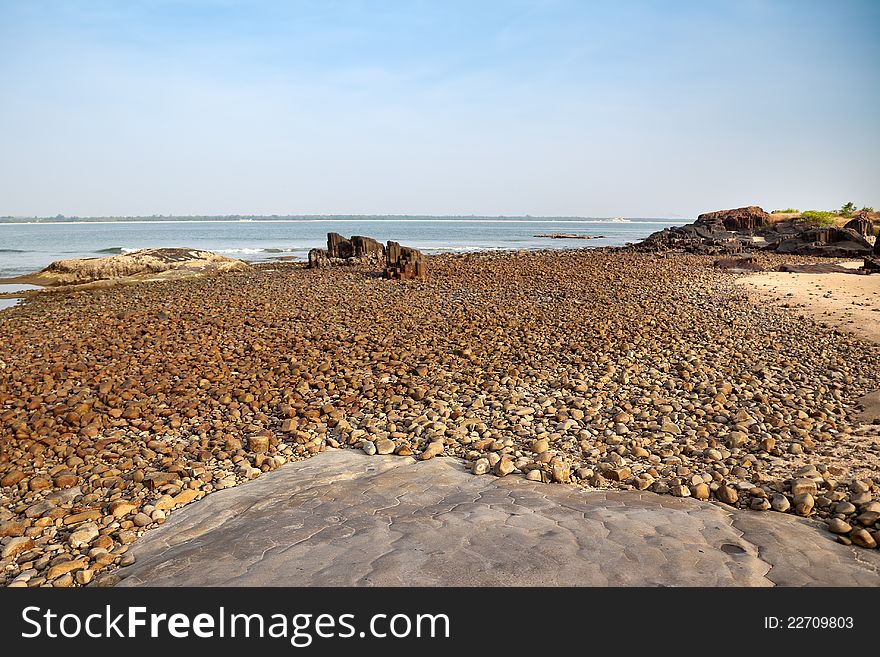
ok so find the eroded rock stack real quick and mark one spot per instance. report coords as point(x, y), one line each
point(826, 241)
point(750, 229)
point(738, 219)
point(862, 225)
point(338, 246)
point(339, 250)
point(872, 262)
point(401, 262)
point(404, 263)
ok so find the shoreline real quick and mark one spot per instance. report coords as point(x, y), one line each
point(602, 368)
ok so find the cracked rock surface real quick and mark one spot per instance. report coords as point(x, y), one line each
point(346, 519)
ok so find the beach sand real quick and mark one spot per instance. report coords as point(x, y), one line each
point(848, 302)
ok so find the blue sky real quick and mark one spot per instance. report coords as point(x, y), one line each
point(553, 107)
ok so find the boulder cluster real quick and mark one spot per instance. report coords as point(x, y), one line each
point(401, 262)
point(595, 368)
point(750, 229)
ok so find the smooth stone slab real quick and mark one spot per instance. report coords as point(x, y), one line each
point(346, 519)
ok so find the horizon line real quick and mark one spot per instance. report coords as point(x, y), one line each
point(333, 215)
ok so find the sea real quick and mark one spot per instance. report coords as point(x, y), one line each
point(28, 246)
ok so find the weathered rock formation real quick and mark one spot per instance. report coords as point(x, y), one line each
point(815, 268)
point(872, 262)
point(570, 236)
point(338, 246)
point(862, 225)
point(742, 230)
point(738, 219)
point(400, 262)
point(340, 250)
point(319, 258)
point(826, 241)
point(705, 239)
point(146, 264)
point(362, 248)
point(367, 247)
point(403, 262)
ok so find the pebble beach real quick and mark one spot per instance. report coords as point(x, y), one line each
point(599, 368)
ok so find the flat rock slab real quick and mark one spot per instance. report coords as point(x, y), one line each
point(345, 519)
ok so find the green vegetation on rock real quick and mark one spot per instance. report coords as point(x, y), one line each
point(821, 217)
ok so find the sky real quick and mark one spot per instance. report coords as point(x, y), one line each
point(542, 107)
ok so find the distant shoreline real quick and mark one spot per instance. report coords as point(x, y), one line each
point(49, 221)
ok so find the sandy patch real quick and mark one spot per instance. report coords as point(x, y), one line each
point(849, 302)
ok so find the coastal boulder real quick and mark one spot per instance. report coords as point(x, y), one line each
point(828, 241)
point(366, 248)
point(750, 229)
point(146, 264)
point(338, 246)
point(701, 239)
point(872, 262)
point(737, 219)
point(862, 225)
point(342, 251)
point(318, 258)
point(404, 263)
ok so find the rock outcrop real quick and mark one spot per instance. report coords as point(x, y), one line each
point(862, 225)
point(400, 262)
point(827, 241)
point(737, 219)
point(744, 230)
point(338, 246)
point(570, 236)
point(404, 263)
point(146, 264)
point(704, 239)
point(872, 262)
point(340, 250)
point(318, 258)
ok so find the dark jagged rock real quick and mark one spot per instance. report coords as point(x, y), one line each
point(400, 262)
point(737, 219)
point(570, 236)
point(318, 258)
point(862, 225)
point(403, 263)
point(693, 238)
point(367, 247)
point(744, 230)
point(827, 241)
point(338, 246)
point(339, 250)
point(817, 268)
point(872, 262)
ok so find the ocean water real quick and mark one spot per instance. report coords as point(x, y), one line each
point(29, 247)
